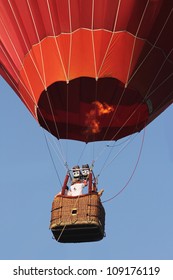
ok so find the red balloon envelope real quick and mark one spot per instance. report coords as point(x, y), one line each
point(89, 70)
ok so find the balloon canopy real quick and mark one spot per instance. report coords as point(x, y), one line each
point(89, 70)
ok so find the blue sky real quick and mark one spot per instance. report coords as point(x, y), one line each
point(138, 221)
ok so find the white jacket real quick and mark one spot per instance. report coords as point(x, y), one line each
point(76, 189)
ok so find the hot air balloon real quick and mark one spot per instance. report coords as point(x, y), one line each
point(90, 70)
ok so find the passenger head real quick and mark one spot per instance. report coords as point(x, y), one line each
point(85, 170)
point(76, 171)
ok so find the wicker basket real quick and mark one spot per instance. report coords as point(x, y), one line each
point(77, 219)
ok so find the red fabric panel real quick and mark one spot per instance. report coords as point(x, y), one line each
point(45, 42)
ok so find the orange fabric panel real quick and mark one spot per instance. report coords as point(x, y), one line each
point(82, 55)
point(121, 58)
point(74, 55)
point(43, 66)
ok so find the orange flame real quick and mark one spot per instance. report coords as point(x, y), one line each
point(92, 118)
point(102, 109)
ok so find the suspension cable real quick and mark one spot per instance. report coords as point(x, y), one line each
point(52, 158)
point(82, 152)
point(116, 155)
point(132, 174)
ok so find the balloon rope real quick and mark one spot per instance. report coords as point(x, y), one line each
point(67, 117)
point(70, 46)
point(20, 61)
point(134, 42)
point(93, 44)
point(82, 152)
point(115, 156)
point(153, 46)
point(15, 86)
point(128, 80)
point(55, 38)
point(43, 68)
point(53, 116)
point(123, 125)
point(26, 45)
point(23, 98)
point(128, 74)
point(30, 92)
point(43, 80)
point(131, 176)
point(61, 232)
point(111, 38)
point(49, 101)
point(159, 85)
point(52, 159)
